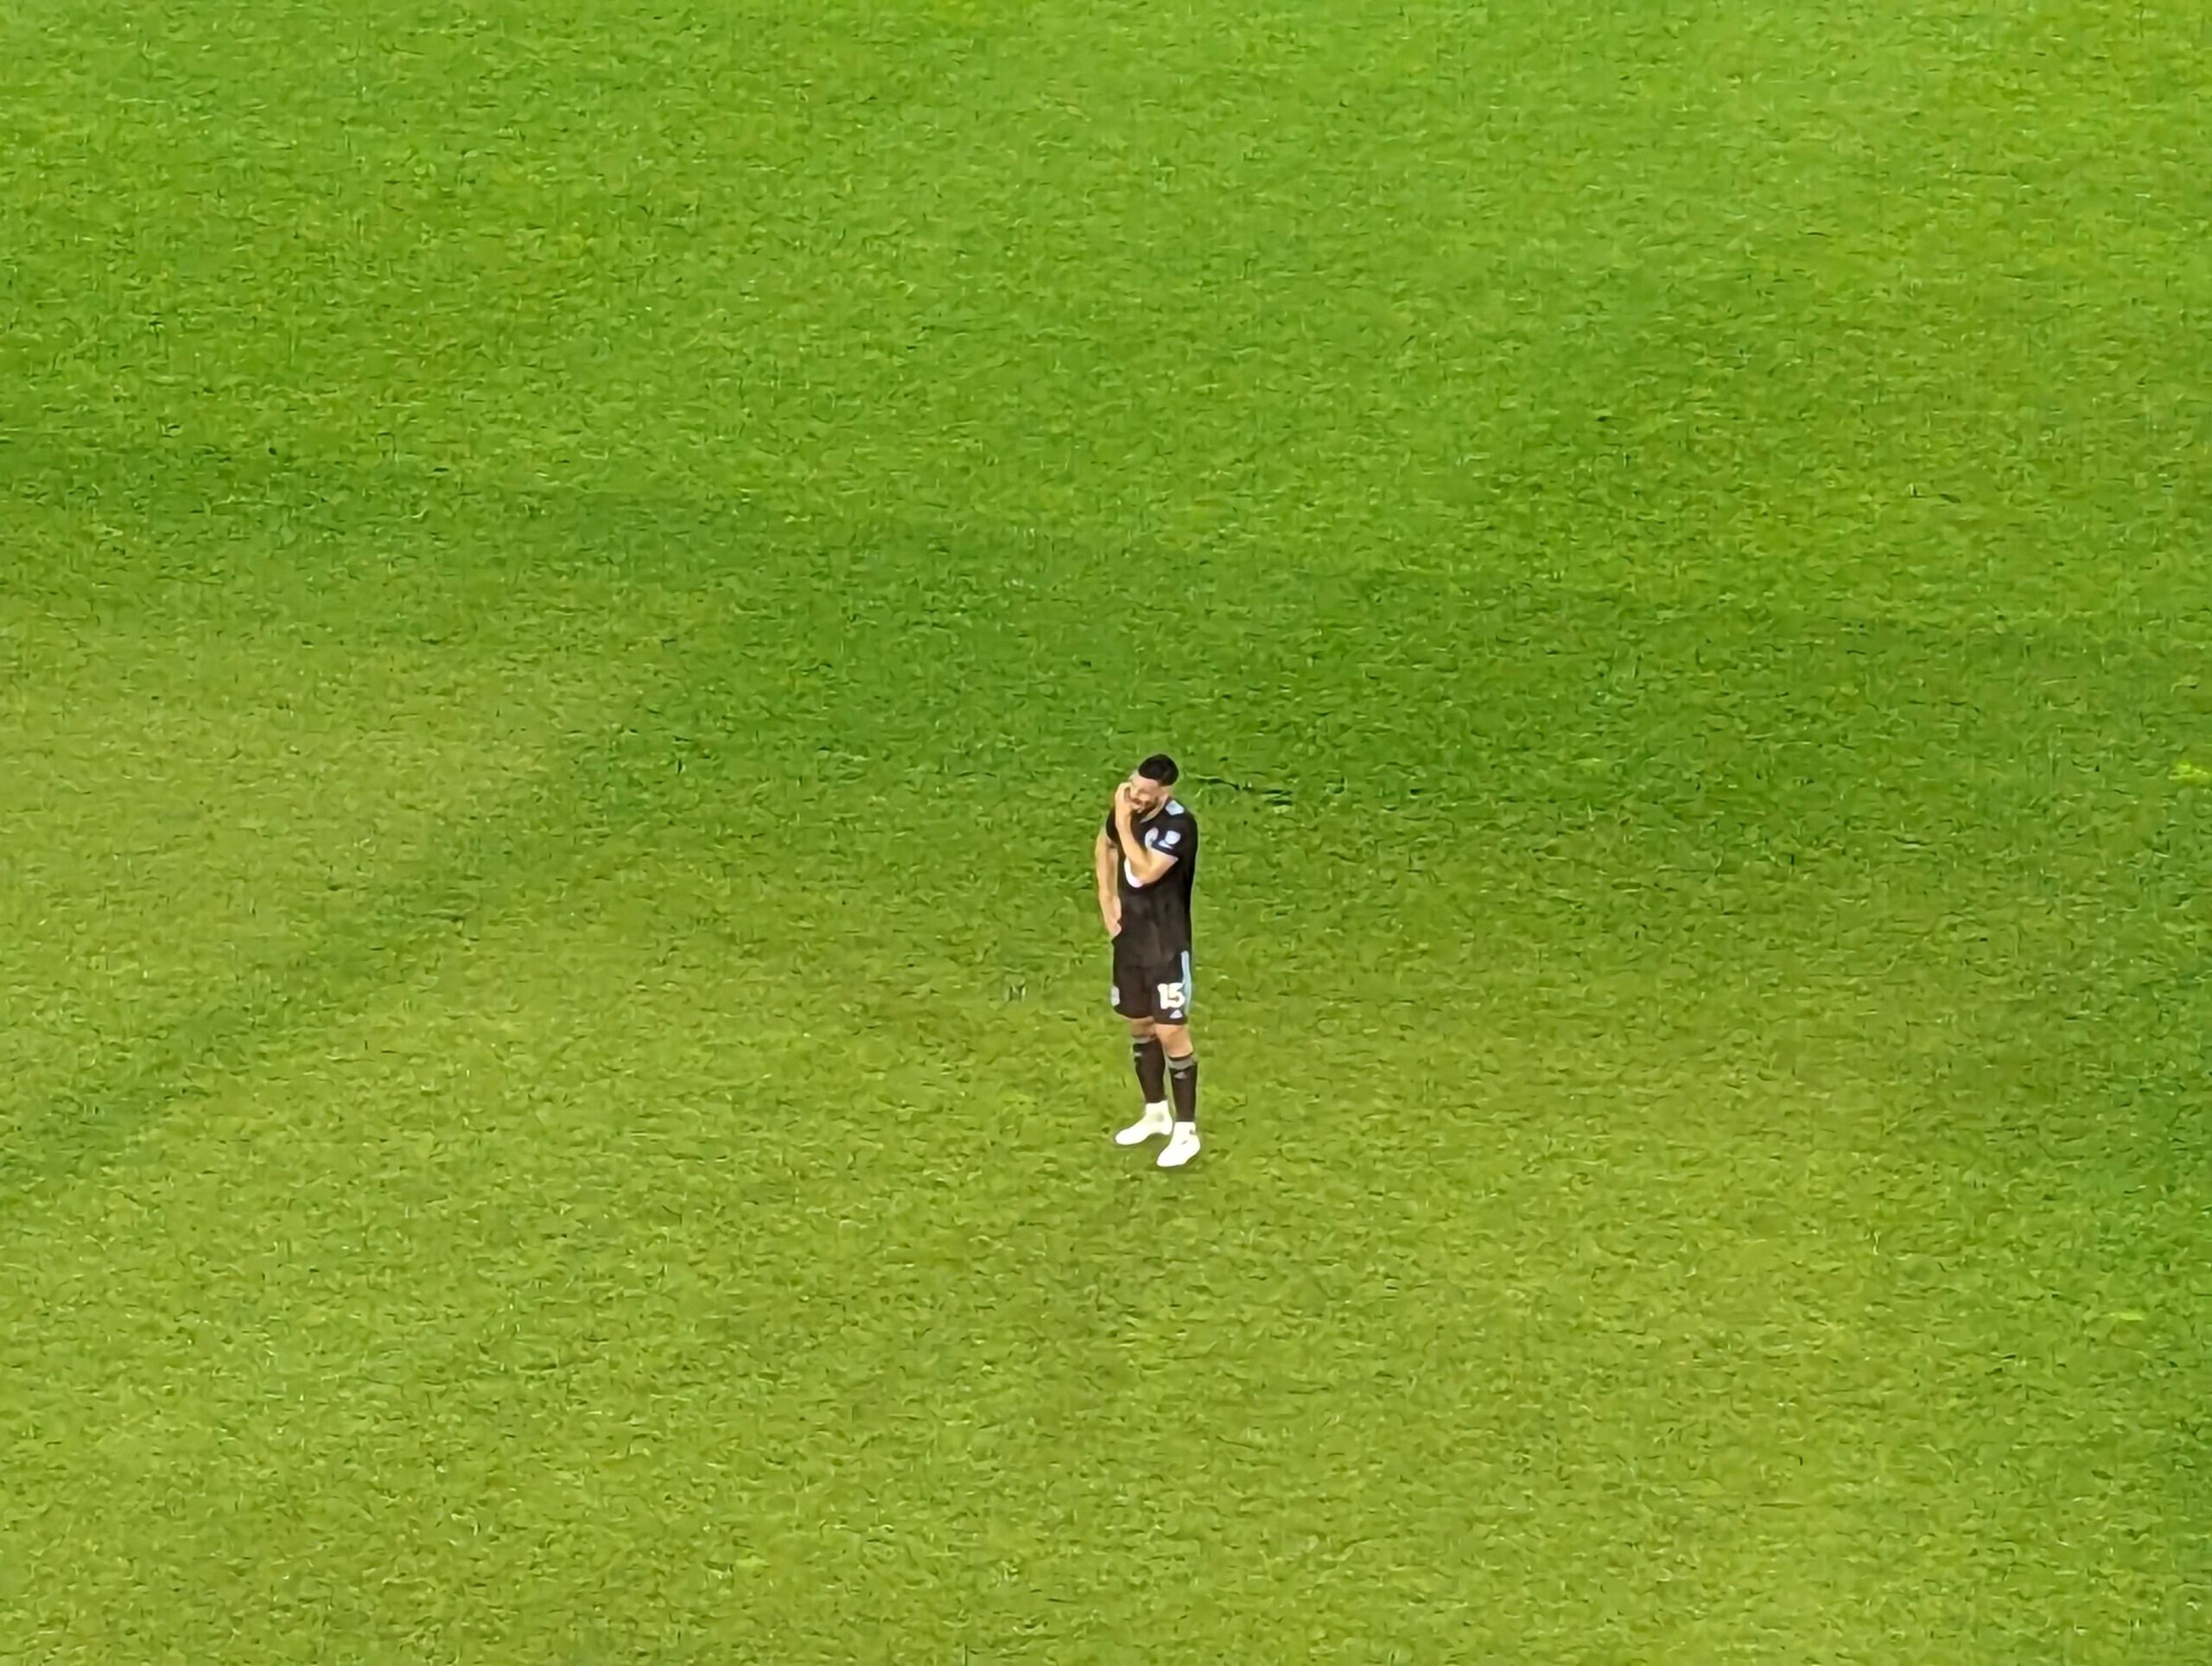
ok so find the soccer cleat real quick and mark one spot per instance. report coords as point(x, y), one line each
point(1157, 1119)
point(1180, 1148)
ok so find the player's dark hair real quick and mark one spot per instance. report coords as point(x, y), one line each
point(1159, 768)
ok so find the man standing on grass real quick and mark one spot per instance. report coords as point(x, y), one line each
point(1147, 860)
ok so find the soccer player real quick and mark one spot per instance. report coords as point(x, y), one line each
point(1147, 860)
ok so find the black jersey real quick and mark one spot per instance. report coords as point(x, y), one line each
point(1156, 918)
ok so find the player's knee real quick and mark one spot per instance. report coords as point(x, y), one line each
point(1174, 1038)
point(1143, 1029)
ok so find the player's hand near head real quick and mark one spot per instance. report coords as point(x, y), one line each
point(1133, 799)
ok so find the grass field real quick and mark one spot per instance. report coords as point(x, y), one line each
point(573, 577)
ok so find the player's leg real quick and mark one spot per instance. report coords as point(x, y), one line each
point(1133, 1000)
point(1172, 1012)
point(1152, 1081)
point(1151, 1061)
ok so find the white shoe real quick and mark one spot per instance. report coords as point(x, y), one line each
point(1182, 1148)
point(1157, 1119)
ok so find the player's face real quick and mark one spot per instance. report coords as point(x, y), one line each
point(1145, 795)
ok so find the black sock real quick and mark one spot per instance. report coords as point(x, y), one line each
point(1152, 1068)
point(1184, 1074)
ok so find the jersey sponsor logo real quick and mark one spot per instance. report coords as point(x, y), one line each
point(1170, 839)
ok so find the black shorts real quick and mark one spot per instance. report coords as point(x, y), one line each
point(1158, 989)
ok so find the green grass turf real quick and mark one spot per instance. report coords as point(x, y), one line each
point(573, 577)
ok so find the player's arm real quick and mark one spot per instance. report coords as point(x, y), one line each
point(1110, 893)
point(1145, 865)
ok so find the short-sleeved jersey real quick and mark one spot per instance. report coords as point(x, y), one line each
point(1156, 918)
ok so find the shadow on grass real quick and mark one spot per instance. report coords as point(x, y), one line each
point(369, 554)
point(496, 858)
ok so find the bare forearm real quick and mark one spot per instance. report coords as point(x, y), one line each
point(1145, 865)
